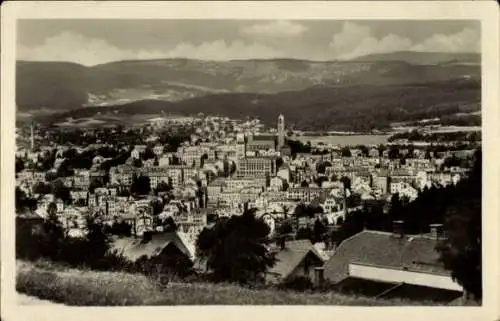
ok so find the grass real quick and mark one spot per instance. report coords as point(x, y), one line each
point(90, 288)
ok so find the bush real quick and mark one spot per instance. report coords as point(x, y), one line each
point(51, 243)
point(296, 283)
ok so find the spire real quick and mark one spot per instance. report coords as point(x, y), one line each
point(32, 136)
point(281, 131)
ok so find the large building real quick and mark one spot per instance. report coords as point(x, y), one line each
point(257, 143)
point(256, 167)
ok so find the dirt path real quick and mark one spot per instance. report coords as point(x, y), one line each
point(23, 299)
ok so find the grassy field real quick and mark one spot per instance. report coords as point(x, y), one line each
point(90, 288)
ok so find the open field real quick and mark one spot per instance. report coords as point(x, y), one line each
point(91, 288)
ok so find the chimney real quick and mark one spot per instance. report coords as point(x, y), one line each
point(398, 228)
point(436, 231)
point(319, 275)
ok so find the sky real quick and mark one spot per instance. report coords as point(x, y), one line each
point(91, 42)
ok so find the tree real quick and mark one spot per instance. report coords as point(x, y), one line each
point(353, 200)
point(169, 225)
point(285, 227)
point(319, 230)
point(164, 186)
point(97, 243)
point(52, 238)
point(364, 150)
point(70, 153)
point(345, 152)
point(48, 161)
point(61, 191)
point(140, 185)
point(203, 158)
point(461, 250)
point(121, 229)
point(393, 152)
point(226, 168)
point(232, 168)
point(23, 202)
point(346, 181)
point(452, 161)
point(396, 208)
point(95, 183)
point(65, 169)
point(353, 224)
point(148, 154)
point(80, 202)
point(304, 233)
point(137, 163)
point(235, 249)
point(42, 188)
point(321, 167)
point(309, 210)
point(157, 206)
point(50, 176)
point(19, 165)
point(319, 180)
point(279, 162)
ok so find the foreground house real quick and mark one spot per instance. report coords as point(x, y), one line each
point(294, 258)
point(386, 262)
point(156, 250)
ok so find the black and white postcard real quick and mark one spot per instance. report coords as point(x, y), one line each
point(225, 160)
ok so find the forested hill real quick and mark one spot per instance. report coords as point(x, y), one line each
point(353, 108)
point(64, 86)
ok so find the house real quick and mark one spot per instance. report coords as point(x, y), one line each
point(158, 150)
point(276, 184)
point(332, 204)
point(391, 257)
point(157, 249)
point(294, 258)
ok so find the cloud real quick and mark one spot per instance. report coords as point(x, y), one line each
point(353, 40)
point(275, 29)
point(220, 50)
point(76, 48)
point(467, 40)
point(356, 40)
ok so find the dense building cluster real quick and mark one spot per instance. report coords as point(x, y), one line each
point(225, 168)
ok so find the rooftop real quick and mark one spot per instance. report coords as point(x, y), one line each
point(387, 250)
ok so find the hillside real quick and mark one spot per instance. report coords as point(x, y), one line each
point(75, 287)
point(66, 86)
point(50, 85)
point(425, 58)
point(353, 108)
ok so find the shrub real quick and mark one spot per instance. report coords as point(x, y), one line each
point(296, 283)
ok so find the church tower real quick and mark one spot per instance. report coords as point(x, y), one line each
point(32, 136)
point(281, 131)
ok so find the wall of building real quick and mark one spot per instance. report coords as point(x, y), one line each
point(397, 276)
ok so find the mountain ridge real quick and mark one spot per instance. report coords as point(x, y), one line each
point(63, 85)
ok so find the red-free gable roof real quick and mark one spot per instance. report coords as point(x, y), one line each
point(294, 253)
point(385, 250)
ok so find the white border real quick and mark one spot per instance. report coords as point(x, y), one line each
point(486, 11)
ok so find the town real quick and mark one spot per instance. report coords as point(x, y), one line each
point(168, 181)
